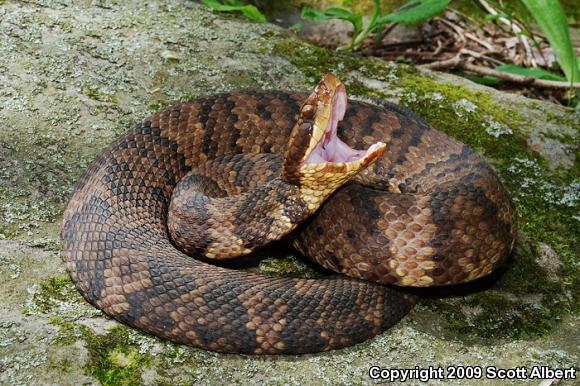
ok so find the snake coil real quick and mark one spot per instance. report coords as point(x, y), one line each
point(430, 211)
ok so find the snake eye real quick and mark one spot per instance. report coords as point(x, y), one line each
point(308, 111)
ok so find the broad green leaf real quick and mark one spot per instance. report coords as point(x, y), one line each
point(253, 13)
point(332, 13)
point(216, 5)
point(313, 14)
point(415, 11)
point(339, 13)
point(552, 20)
point(537, 73)
point(248, 11)
point(328, 14)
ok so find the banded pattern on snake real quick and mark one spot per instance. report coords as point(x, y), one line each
point(429, 211)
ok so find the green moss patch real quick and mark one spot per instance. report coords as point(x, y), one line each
point(289, 266)
point(315, 62)
point(114, 358)
point(471, 117)
point(58, 296)
point(100, 94)
point(51, 294)
point(112, 361)
point(124, 356)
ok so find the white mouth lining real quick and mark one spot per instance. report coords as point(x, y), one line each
point(332, 149)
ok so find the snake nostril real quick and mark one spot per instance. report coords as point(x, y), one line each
point(306, 126)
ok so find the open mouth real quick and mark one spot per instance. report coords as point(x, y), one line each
point(330, 148)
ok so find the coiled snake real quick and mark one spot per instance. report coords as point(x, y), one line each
point(253, 166)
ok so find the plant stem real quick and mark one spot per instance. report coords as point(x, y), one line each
point(359, 38)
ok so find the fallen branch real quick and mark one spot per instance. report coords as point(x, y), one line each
point(480, 56)
point(443, 64)
point(458, 62)
point(518, 79)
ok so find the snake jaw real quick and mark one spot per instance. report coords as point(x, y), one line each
point(315, 156)
point(327, 156)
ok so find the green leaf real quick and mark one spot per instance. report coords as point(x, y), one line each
point(490, 17)
point(338, 13)
point(296, 27)
point(247, 10)
point(485, 80)
point(552, 20)
point(537, 73)
point(314, 14)
point(253, 13)
point(415, 11)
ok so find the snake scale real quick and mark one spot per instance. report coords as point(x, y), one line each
point(429, 211)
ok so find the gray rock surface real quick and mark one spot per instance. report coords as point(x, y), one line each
point(75, 75)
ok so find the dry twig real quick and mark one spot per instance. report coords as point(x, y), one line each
point(458, 62)
point(480, 56)
point(481, 42)
point(516, 28)
point(455, 28)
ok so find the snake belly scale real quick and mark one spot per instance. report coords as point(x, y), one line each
point(430, 211)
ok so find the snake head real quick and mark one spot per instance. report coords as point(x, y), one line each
point(316, 159)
